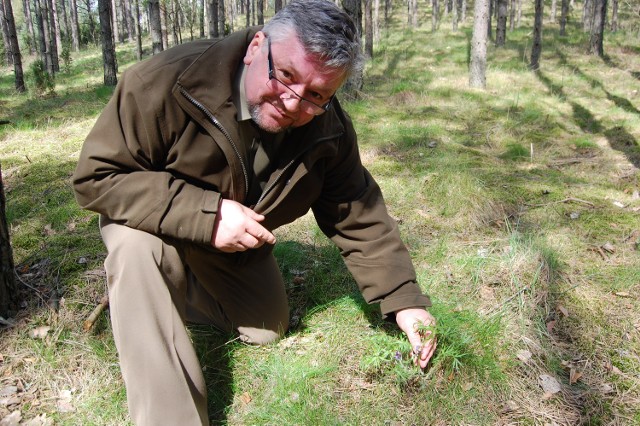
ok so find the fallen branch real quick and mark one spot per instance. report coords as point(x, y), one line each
point(91, 319)
point(566, 200)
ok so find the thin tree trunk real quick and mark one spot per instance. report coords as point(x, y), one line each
point(614, 16)
point(463, 10)
point(587, 15)
point(42, 39)
point(213, 19)
point(201, 17)
point(260, 11)
point(596, 42)
point(138, 30)
point(512, 15)
point(75, 26)
point(376, 20)
point(164, 19)
point(27, 17)
point(156, 27)
point(536, 50)
point(552, 14)
point(435, 13)
point(564, 11)
point(54, 34)
point(519, 13)
point(56, 27)
point(8, 55)
point(277, 5)
point(8, 286)
point(222, 21)
point(501, 26)
point(108, 46)
point(15, 47)
point(454, 15)
point(355, 82)
point(478, 60)
point(368, 28)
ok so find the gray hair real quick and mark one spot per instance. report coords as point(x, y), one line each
point(323, 29)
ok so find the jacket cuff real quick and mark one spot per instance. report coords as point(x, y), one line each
point(408, 295)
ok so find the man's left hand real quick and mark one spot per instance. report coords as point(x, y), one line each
point(419, 326)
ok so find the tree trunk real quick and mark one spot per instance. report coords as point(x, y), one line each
point(376, 20)
point(536, 50)
point(353, 85)
point(512, 15)
point(15, 48)
point(519, 13)
point(8, 287)
point(201, 17)
point(597, 27)
point(127, 14)
point(491, 12)
point(587, 15)
point(478, 60)
point(222, 18)
point(564, 11)
point(277, 5)
point(138, 30)
point(213, 18)
point(435, 14)
point(463, 10)
point(501, 25)
point(164, 21)
point(56, 27)
point(108, 47)
point(54, 35)
point(114, 21)
point(27, 17)
point(614, 16)
point(75, 26)
point(248, 12)
point(552, 14)
point(368, 28)
point(8, 55)
point(156, 27)
point(42, 43)
point(260, 10)
point(454, 16)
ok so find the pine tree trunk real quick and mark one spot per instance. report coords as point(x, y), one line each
point(564, 11)
point(368, 28)
point(75, 26)
point(8, 287)
point(54, 34)
point(435, 14)
point(108, 46)
point(354, 83)
point(156, 27)
point(222, 18)
point(614, 16)
point(15, 48)
point(596, 42)
point(501, 25)
point(277, 6)
point(41, 34)
point(376, 20)
point(260, 10)
point(512, 15)
point(8, 56)
point(138, 30)
point(536, 50)
point(454, 15)
point(213, 19)
point(27, 17)
point(552, 15)
point(478, 60)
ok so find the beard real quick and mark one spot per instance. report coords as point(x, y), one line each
point(256, 115)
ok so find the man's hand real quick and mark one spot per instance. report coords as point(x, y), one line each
point(237, 228)
point(419, 326)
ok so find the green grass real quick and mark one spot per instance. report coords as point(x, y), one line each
point(518, 204)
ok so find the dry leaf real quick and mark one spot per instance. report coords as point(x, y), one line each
point(574, 376)
point(549, 384)
point(39, 332)
point(48, 230)
point(608, 247)
point(623, 294)
point(563, 310)
point(467, 386)
point(524, 355)
point(245, 398)
point(41, 420)
point(550, 326)
point(64, 404)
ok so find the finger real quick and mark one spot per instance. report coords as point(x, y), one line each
point(248, 241)
point(427, 353)
point(260, 232)
point(253, 215)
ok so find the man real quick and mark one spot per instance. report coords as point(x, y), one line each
point(202, 151)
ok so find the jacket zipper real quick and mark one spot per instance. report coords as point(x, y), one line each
point(290, 163)
point(224, 131)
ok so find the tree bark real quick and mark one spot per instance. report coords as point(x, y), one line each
point(536, 50)
point(8, 287)
point(587, 15)
point(596, 42)
point(512, 15)
point(213, 18)
point(454, 15)
point(277, 5)
point(354, 83)
point(368, 28)
point(108, 46)
point(8, 55)
point(26, 8)
point(138, 30)
point(501, 25)
point(478, 60)
point(564, 11)
point(41, 39)
point(156, 27)
point(15, 48)
point(260, 11)
point(222, 18)
point(54, 35)
point(552, 14)
point(376, 20)
point(435, 14)
point(614, 16)
point(75, 26)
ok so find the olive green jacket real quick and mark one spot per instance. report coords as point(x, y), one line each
point(166, 149)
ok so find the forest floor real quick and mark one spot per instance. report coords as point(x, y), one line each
point(520, 205)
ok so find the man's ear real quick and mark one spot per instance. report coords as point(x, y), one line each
point(254, 47)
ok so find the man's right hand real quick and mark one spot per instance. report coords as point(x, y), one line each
point(237, 228)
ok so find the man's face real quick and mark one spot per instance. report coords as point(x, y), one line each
point(272, 105)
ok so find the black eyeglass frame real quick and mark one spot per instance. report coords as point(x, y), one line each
point(272, 76)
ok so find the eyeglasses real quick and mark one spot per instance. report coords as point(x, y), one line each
point(306, 105)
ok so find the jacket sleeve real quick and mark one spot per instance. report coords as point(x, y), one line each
point(121, 170)
point(352, 213)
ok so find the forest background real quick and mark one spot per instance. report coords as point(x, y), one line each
point(519, 202)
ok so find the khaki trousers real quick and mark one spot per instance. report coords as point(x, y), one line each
point(156, 285)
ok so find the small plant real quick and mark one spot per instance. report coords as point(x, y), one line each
point(515, 151)
point(66, 56)
point(44, 81)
